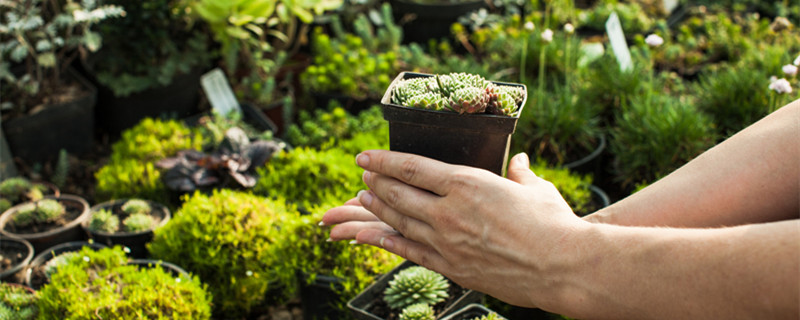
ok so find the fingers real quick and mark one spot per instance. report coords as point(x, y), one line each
point(519, 170)
point(346, 213)
point(407, 225)
point(395, 243)
point(348, 230)
point(414, 170)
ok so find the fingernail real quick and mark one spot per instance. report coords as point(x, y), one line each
point(522, 159)
point(365, 176)
point(353, 241)
point(386, 243)
point(321, 223)
point(329, 240)
point(365, 197)
point(362, 160)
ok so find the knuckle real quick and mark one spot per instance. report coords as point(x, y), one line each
point(409, 169)
point(402, 225)
point(393, 196)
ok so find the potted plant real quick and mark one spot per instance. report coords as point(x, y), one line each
point(16, 190)
point(228, 240)
point(456, 118)
point(406, 285)
point(329, 273)
point(161, 78)
point(126, 222)
point(15, 254)
point(17, 302)
point(40, 40)
point(93, 284)
point(474, 311)
point(47, 262)
point(46, 222)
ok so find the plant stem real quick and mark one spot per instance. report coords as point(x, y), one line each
point(523, 58)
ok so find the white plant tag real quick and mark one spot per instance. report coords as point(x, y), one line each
point(219, 92)
point(669, 5)
point(618, 44)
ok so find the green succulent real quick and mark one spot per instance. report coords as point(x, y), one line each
point(26, 215)
point(5, 204)
point(429, 100)
point(104, 220)
point(134, 206)
point(138, 222)
point(17, 303)
point(469, 100)
point(458, 92)
point(489, 316)
point(415, 285)
point(48, 210)
point(419, 311)
point(19, 189)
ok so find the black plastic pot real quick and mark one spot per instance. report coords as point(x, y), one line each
point(430, 21)
point(20, 252)
point(135, 241)
point(470, 312)
point(477, 140)
point(361, 305)
point(70, 125)
point(177, 100)
point(36, 281)
point(71, 231)
point(318, 298)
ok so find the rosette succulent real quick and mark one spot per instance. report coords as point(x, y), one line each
point(42, 211)
point(104, 220)
point(458, 92)
point(415, 285)
point(134, 206)
point(419, 311)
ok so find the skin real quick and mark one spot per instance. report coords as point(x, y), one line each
point(717, 238)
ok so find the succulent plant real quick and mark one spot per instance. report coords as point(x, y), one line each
point(458, 92)
point(5, 204)
point(489, 316)
point(419, 311)
point(104, 220)
point(26, 214)
point(415, 285)
point(138, 222)
point(18, 189)
point(134, 206)
point(46, 210)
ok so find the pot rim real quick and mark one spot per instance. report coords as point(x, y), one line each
point(6, 217)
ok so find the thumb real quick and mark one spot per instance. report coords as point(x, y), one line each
point(519, 170)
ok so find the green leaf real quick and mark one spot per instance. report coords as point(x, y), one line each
point(18, 53)
point(93, 41)
point(259, 8)
point(47, 59)
point(237, 32)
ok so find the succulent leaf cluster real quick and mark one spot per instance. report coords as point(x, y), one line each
point(415, 285)
point(489, 316)
point(18, 189)
point(41, 211)
point(419, 311)
point(134, 206)
point(104, 220)
point(138, 222)
point(458, 92)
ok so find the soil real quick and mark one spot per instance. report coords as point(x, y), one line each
point(379, 308)
point(73, 211)
point(11, 256)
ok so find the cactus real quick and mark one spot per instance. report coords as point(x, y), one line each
point(104, 220)
point(138, 222)
point(415, 285)
point(48, 210)
point(134, 206)
point(419, 311)
point(458, 92)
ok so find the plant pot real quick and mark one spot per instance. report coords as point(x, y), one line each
point(369, 304)
point(177, 100)
point(34, 274)
point(318, 298)
point(470, 312)
point(431, 21)
point(69, 125)
point(50, 235)
point(16, 253)
point(477, 140)
point(591, 163)
point(135, 241)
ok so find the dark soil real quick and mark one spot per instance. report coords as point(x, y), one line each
point(73, 211)
point(379, 308)
point(11, 256)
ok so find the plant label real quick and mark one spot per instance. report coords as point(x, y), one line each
point(669, 5)
point(219, 92)
point(618, 44)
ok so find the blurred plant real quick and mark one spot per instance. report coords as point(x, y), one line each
point(656, 134)
point(229, 239)
point(101, 285)
point(419, 311)
point(17, 303)
point(173, 47)
point(62, 169)
point(44, 37)
point(38, 212)
point(573, 187)
point(632, 16)
point(309, 177)
point(131, 171)
point(17, 190)
point(233, 163)
point(137, 222)
point(327, 129)
point(104, 221)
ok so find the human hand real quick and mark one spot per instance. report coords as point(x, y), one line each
point(498, 236)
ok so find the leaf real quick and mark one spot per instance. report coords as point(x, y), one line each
point(47, 59)
point(43, 45)
point(92, 40)
point(18, 53)
point(237, 32)
point(259, 8)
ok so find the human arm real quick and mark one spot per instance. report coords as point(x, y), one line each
point(517, 240)
point(752, 177)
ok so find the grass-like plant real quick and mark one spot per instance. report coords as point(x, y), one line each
point(101, 285)
point(228, 239)
point(17, 303)
point(415, 285)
